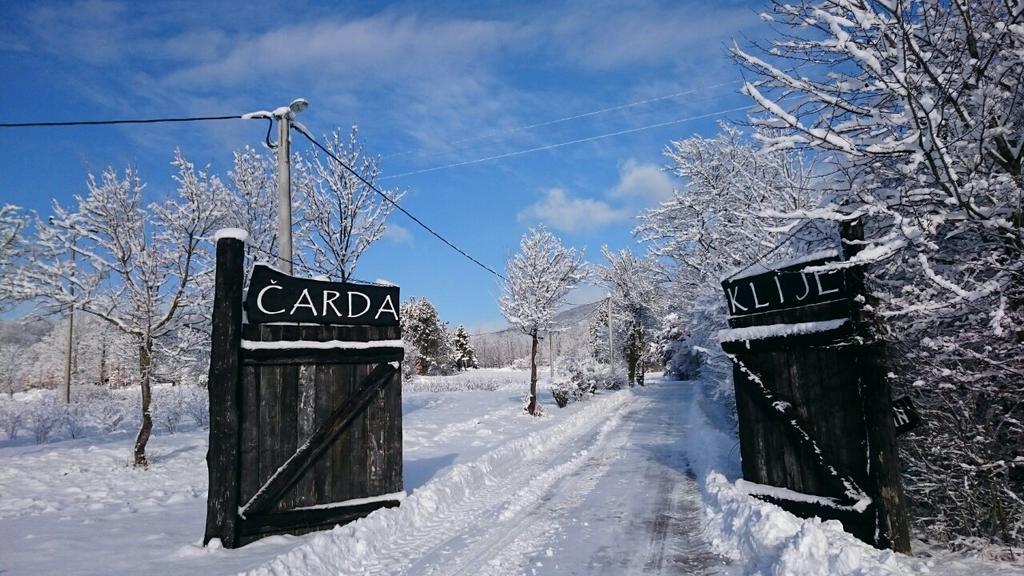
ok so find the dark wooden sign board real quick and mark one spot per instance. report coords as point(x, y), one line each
point(813, 400)
point(303, 417)
point(277, 297)
point(785, 288)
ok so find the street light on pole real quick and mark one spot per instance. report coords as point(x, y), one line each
point(284, 116)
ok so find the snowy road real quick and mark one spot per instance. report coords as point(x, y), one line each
point(604, 492)
point(600, 487)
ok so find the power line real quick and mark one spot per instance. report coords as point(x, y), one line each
point(112, 122)
point(575, 116)
point(570, 142)
point(391, 201)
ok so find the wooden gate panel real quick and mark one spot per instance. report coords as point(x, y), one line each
point(812, 400)
point(304, 418)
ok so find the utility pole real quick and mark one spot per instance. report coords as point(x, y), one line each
point(69, 349)
point(551, 356)
point(284, 116)
point(67, 354)
point(611, 349)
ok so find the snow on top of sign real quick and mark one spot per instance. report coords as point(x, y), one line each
point(236, 233)
point(759, 268)
point(317, 345)
point(754, 489)
point(778, 330)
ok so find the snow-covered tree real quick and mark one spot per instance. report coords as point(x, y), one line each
point(537, 280)
point(597, 335)
point(422, 327)
point(12, 226)
point(919, 105)
point(253, 180)
point(341, 216)
point(137, 265)
point(637, 292)
point(719, 222)
point(465, 355)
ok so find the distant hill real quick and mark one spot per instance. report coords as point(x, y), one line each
point(501, 348)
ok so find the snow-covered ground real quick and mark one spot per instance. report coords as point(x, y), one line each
point(627, 482)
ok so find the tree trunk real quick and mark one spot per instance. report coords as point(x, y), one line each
point(531, 408)
point(146, 428)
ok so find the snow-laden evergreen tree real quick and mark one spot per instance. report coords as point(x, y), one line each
point(137, 266)
point(422, 327)
point(537, 280)
point(919, 105)
point(465, 355)
point(597, 335)
point(341, 216)
point(637, 293)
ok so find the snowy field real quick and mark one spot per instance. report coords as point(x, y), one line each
point(628, 482)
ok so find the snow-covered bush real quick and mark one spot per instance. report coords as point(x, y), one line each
point(195, 403)
point(43, 415)
point(11, 418)
point(76, 417)
point(168, 407)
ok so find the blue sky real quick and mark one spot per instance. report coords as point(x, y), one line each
point(428, 85)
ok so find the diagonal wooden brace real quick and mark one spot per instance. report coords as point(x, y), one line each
point(321, 438)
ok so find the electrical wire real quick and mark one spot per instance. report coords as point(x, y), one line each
point(568, 143)
point(577, 116)
point(395, 204)
point(113, 122)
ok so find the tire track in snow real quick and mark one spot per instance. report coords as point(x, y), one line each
point(528, 520)
point(435, 519)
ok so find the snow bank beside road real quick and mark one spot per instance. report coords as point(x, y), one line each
point(763, 539)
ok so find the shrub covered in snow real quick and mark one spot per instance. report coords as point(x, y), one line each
point(11, 418)
point(44, 414)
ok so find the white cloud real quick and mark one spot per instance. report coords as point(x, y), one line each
point(643, 180)
point(562, 211)
point(397, 235)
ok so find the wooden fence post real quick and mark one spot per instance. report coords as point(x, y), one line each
point(222, 458)
point(892, 522)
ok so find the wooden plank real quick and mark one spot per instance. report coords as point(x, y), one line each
point(303, 458)
point(294, 521)
point(250, 425)
point(223, 456)
point(327, 399)
point(288, 417)
point(304, 491)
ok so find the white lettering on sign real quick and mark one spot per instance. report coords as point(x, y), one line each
point(308, 302)
point(757, 304)
point(330, 301)
point(817, 278)
point(259, 299)
point(782, 299)
point(807, 289)
point(732, 299)
point(351, 305)
point(387, 306)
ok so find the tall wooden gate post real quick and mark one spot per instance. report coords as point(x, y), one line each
point(222, 458)
point(876, 399)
